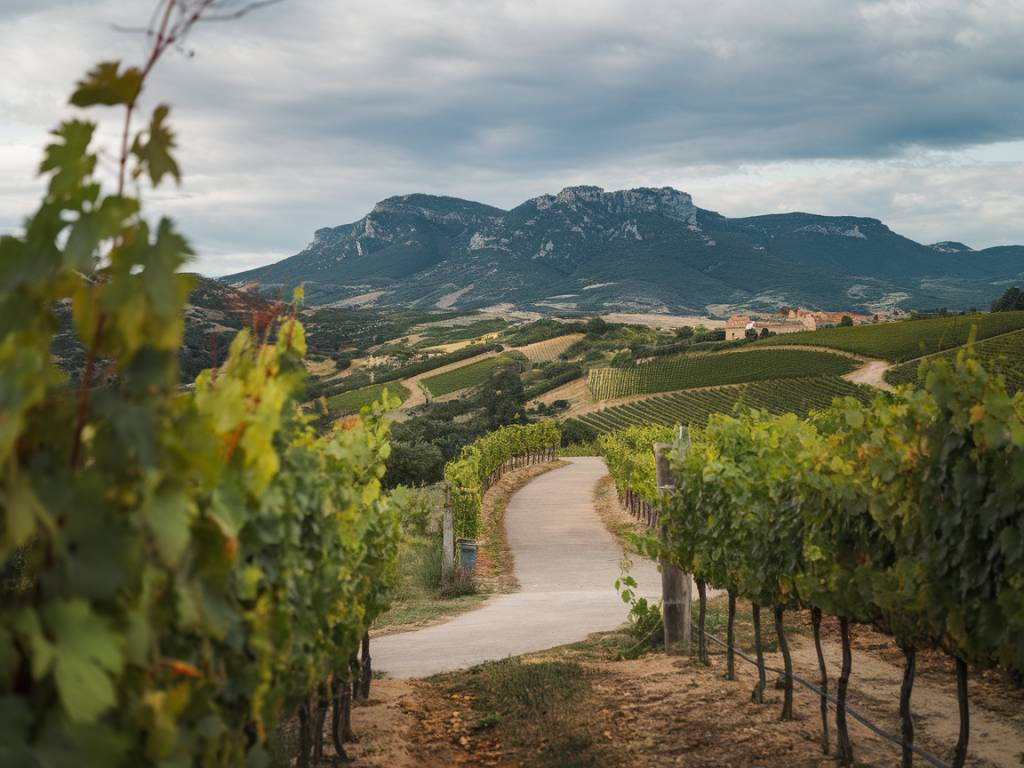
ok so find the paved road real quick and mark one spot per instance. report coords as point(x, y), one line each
point(566, 563)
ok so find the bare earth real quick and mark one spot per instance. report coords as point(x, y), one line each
point(871, 373)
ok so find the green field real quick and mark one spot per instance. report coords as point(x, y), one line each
point(907, 339)
point(694, 407)
point(353, 400)
point(466, 376)
point(1001, 355)
point(435, 335)
point(709, 370)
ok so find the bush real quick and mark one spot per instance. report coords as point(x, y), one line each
point(418, 463)
point(574, 431)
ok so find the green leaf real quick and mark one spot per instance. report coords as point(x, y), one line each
point(154, 154)
point(87, 652)
point(69, 157)
point(27, 626)
point(82, 242)
point(85, 689)
point(168, 517)
point(107, 84)
point(24, 513)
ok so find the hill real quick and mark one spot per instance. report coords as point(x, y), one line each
point(649, 250)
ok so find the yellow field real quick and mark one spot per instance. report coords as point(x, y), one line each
point(550, 349)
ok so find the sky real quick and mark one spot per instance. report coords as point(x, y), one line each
point(305, 113)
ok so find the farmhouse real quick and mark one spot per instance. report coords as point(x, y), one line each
point(736, 327)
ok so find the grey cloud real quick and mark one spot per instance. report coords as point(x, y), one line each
point(304, 114)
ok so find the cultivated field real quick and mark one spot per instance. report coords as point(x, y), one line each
point(907, 339)
point(353, 400)
point(1000, 355)
point(550, 349)
point(799, 396)
point(704, 370)
point(464, 376)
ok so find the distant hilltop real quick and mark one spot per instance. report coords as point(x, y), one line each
point(637, 250)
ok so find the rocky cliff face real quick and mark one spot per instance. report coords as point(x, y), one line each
point(646, 249)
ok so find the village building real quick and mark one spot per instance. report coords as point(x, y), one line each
point(736, 327)
point(789, 320)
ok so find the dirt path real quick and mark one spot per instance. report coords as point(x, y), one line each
point(566, 563)
point(871, 373)
point(417, 395)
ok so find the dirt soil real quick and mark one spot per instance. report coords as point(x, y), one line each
point(670, 711)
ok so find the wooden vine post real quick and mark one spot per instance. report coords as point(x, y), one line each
point(448, 535)
point(676, 586)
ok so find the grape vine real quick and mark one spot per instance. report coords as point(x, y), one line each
point(181, 569)
point(482, 461)
point(906, 512)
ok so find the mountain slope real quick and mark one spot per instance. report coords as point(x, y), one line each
point(641, 249)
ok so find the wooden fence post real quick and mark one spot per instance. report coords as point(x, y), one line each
point(676, 586)
point(448, 535)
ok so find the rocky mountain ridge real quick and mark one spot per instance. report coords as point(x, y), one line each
point(645, 249)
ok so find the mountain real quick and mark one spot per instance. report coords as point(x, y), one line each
point(644, 250)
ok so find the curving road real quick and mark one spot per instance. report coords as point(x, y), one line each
point(566, 562)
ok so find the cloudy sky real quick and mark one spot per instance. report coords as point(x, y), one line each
point(304, 114)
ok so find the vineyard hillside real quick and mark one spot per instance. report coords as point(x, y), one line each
point(465, 376)
point(703, 370)
point(907, 339)
point(549, 349)
point(353, 400)
point(1002, 355)
point(798, 395)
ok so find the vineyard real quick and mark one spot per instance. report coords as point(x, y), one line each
point(1002, 355)
point(465, 376)
point(908, 339)
point(906, 513)
point(707, 370)
point(182, 570)
point(482, 463)
point(798, 396)
point(549, 349)
point(355, 399)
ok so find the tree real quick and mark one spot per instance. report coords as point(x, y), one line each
point(503, 397)
point(417, 463)
point(846, 322)
point(1011, 301)
point(575, 431)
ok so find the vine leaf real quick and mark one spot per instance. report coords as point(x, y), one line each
point(69, 157)
point(168, 517)
point(154, 153)
point(82, 242)
point(88, 651)
point(107, 84)
point(82, 651)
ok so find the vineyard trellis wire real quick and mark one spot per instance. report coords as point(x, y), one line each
point(908, 511)
point(711, 369)
point(796, 395)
